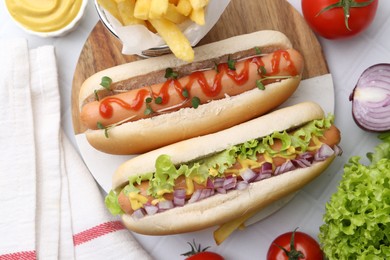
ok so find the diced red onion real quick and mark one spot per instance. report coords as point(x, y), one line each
point(371, 99)
point(323, 153)
point(165, 204)
point(221, 190)
point(151, 209)
point(179, 197)
point(229, 183)
point(264, 172)
point(285, 167)
point(242, 185)
point(266, 167)
point(218, 182)
point(210, 184)
point(301, 163)
point(248, 175)
point(307, 156)
point(337, 150)
point(138, 214)
point(201, 194)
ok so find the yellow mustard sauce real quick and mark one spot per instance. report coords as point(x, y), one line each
point(44, 15)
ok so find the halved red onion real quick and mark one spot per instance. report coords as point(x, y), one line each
point(323, 153)
point(371, 99)
point(151, 209)
point(248, 175)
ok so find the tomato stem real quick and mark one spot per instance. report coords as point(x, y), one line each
point(293, 254)
point(346, 5)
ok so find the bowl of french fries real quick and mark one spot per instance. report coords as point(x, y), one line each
point(156, 27)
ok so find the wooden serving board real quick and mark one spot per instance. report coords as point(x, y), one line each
point(102, 50)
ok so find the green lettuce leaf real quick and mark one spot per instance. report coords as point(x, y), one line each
point(357, 218)
point(382, 150)
point(112, 204)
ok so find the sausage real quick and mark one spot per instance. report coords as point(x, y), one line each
point(330, 137)
point(207, 85)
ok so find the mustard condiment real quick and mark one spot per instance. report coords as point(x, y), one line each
point(44, 15)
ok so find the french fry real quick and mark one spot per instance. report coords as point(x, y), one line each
point(126, 11)
point(173, 15)
point(158, 9)
point(111, 7)
point(199, 4)
point(141, 9)
point(225, 230)
point(150, 27)
point(174, 38)
point(184, 7)
point(197, 16)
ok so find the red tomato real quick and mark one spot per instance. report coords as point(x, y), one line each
point(303, 247)
point(205, 256)
point(332, 23)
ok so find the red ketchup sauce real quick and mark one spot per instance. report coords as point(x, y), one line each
point(106, 110)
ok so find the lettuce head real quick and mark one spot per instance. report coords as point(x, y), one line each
point(357, 218)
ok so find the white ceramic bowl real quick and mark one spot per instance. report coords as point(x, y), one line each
point(61, 32)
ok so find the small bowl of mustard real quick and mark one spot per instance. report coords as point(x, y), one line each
point(53, 18)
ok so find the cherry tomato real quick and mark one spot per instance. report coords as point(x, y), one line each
point(293, 246)
point(334, 19)
point(205, 256)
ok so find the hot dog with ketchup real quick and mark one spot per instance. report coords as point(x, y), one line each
point(213, 179)
point(229, 82)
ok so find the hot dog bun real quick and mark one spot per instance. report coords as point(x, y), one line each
point(222, 208)
point(145, 134)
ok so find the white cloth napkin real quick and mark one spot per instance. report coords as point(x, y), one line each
point(50, 206)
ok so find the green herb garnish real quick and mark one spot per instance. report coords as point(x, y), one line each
point(216, 67)
point(106, 82)
point(258, 51)
point(231, 63)
point(262, 70)
point(195, 102)
point(260, 85)
point(102, 127)
point(170, 74)
point(158, 100)
point(148, 110)
point(185, 93)
point(96, 95)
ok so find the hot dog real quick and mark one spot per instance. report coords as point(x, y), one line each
point(229, 82)
point(213, 179)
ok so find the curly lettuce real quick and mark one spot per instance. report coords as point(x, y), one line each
point(357, 218)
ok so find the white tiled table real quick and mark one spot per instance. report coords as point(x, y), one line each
point(346, 59)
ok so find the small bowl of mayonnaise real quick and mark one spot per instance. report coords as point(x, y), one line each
point(47, 18)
